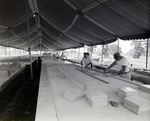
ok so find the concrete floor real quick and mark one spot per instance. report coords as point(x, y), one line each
point(58, 77)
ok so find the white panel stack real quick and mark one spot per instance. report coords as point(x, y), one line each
point(145, 88)
point(126, 92)
point(73, 95)
point(136, 104)
point(96, 98)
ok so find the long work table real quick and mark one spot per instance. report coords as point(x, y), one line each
point(135, 76)
point(59, 77)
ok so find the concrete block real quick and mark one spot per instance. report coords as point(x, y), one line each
point(126, 92)
point(73, 95)
point(96, 98)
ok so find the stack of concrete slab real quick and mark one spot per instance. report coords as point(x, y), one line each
point(96, 98)
point(136, 104)
point(126, 92)
point(73, 95)
point(145, 88)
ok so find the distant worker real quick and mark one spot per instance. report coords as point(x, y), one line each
point(86, 60)
point(57, 56)
point(54, 56)
point(123, 63)
point(63, 57)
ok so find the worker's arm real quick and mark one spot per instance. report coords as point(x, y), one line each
point(113, 64)
point(122, 70)
point(81, 63)
point(90, 63)
point(110, 66)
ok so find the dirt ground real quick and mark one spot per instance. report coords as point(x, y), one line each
point(18, 101)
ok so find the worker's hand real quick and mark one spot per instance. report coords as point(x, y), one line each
point(105, 70)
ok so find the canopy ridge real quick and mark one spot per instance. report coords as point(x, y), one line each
point(80, 12)
point(33, 5)
point(48, 35)
point(142, 4)
point(45, 46)
point(71, 5)
point(93, 5)
point(131, 13)
point(125, 19)
point(3, 31)
point(139, 8)
point(98, 24)
point(72, 23)
point(116, 22)
point(21, 45)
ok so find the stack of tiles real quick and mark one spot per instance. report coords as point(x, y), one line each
point(145, 88)
point(136, 104)
point(126, 92)
point(96, 98)
point(73, 95)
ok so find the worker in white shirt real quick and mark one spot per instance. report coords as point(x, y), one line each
point(63, 57)
point(123, 63)
point(86, 60)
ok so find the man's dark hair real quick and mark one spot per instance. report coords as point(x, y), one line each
point(117, 55)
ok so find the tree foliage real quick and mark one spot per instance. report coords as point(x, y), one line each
point(113, 48)
point(89, 49)
point(138, 48)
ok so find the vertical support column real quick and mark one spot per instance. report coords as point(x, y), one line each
point(9, 52)
point(37, 27)
point(84, 48)
point(79, 53)
point(1, 50)
point(147, 54)
point(118, 45)
point(29, 49)
point(91, 51)
point(102, 53)
point(5, 51)
point(40, 39)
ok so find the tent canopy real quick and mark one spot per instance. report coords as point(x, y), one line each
point(62, 24)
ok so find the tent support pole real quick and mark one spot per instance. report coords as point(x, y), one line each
point(79, 53)
point(36, 19)
point(102, 53)
point(91, 51)
point(29, 49)
point(147, 54)
point(5, 50)
point(118, 46)
point(9, 52)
